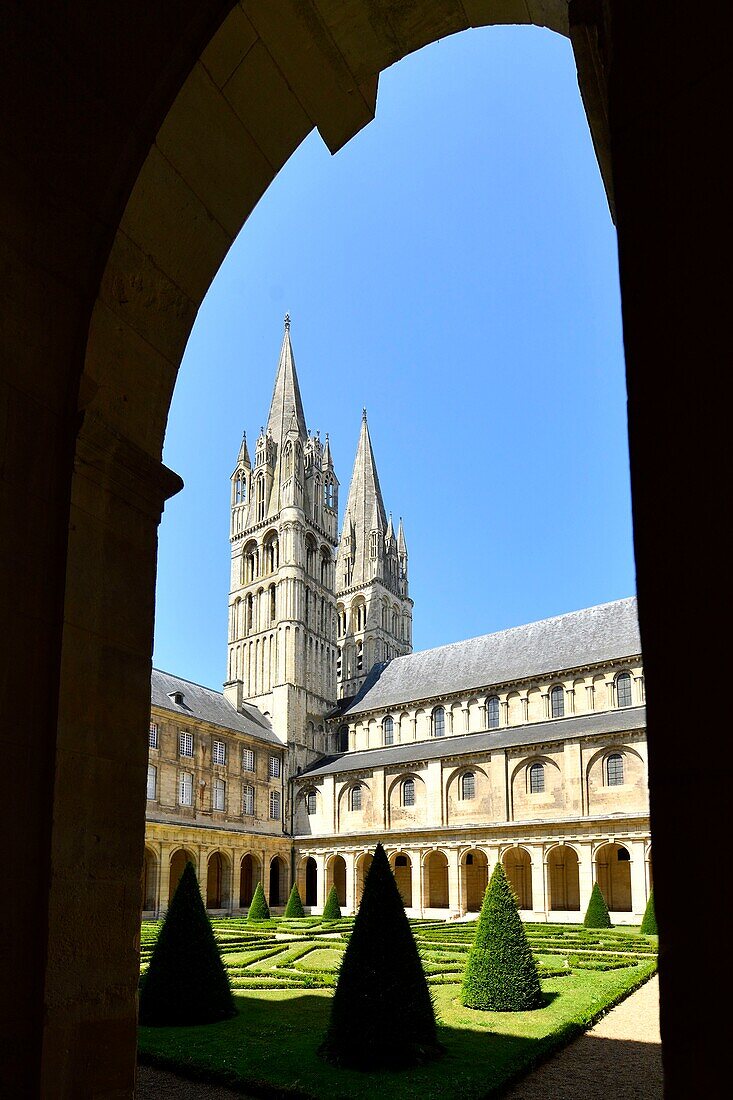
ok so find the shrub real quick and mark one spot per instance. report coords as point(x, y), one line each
point(649, 920)
point(294, 908)
point(332, 909)
point(258, 909)
point(596, 915)
point(186, 982)
point(382, 1014)
point(501, 974)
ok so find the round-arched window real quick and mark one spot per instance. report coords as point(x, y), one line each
point(557, 702)
point(537, 779)
point(492, 712)
point(439, 722)
point(388, 731)
point(614, 770)
point(355, 798)
point(310, 803)
point(468, 786)
point(623, 690)
point(408, 792)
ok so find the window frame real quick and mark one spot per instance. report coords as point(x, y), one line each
point(624, 677)
point(469, 775)
point(275, 804)
point(618, 779)
point(274, 767)
point(154, 736)
point(493, 712)
point(247, 755)
point(311, 802)
point(557, 692)
point(218, 745)
point(355, 798)
point(248, 789)
point(219, 787)
point(182, 777)
point(388, 724)
point(152, 769)
point(185, 737)
point(437, 711)
point(409, 782)
point(536, 768)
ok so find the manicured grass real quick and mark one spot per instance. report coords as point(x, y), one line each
point(271, 1044)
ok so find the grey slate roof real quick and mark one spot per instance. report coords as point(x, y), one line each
point(557, 729)
point(209, 706)
point(591, 636)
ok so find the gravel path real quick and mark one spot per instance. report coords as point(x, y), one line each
point(621, 1057)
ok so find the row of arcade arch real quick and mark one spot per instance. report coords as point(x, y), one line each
point(227, 885)
point(611, 870)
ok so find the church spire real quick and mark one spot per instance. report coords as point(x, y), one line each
point(286, 408)
point(365, 513)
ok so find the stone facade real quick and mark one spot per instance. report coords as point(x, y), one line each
point(527, 746)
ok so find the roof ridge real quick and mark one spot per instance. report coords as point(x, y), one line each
point(185, 680)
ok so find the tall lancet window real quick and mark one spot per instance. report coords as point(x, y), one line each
point(260, 497)
point(438, 722)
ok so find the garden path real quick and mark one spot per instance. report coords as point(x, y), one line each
point(620, 1057)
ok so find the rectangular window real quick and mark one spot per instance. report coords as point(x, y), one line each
point(152, 780)
point(248, 760)
point(153, 736)
point(219, 753)
point(248, 800)
point(275, 805)
point(185, 789)
point(274, 769)
point(185, 743)
point(220, 794)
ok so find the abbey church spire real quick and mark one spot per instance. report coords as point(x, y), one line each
point(286, 408)
point(374, 609)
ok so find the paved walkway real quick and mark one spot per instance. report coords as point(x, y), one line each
point(619, 1059)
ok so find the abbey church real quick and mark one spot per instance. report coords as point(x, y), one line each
point(525, 746)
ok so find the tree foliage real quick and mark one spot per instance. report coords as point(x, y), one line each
point(501, 974)
point(332, 909)
point(186, 982)
point(258, 909)
point(382, 1014)
point(294, 908)
point(649, 920)
point(596, 915)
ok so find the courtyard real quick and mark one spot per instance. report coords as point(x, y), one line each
point(282, 973)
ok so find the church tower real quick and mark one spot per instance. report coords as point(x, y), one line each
point(282, 619)
point(374, 610)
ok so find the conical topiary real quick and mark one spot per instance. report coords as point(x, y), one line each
point(294, 908)
point(649, 920)
point(186, 982)
point(501, 974)
point(382, 1014)
point(332, 909)
point(258, 909)
point(596, 915)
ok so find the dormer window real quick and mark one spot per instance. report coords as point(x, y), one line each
point(176, 697)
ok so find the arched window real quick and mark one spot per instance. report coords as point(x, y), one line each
point(249, 604)
point(260, 497)
point(325, 567)
point(557, 702)
point(623, 690)
point(408, 792)
point(614, 770)
point(492, 712)
point(355, 798)
point(272, 603)
point(388, 731)
point(537, 779)
point(288, 461)
point(438, 722)
point(343, 739)
point(468, 786)
point(310, 555)
point(310, 803)
point(359, 656)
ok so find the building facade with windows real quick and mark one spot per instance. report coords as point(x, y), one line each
point(526, 746)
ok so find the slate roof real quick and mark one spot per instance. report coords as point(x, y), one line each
point(557, 729)
point(209, 706)
point(592, 636)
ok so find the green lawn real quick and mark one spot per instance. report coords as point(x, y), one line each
point(271, 1044)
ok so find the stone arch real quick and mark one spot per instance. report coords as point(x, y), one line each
point(401, 865)
point(336, 876)
point(156, 274)
point(563, 878)
point(308, 880)
point(150, 881)
point(518, 866)
point(612, 866)
point(474, 879)
point(435, 880)
point(250, 873)
point(218, 881)
point(278, 882)
point(178, 861)
point(363, 863)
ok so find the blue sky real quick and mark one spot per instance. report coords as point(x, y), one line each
point(454, 269)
